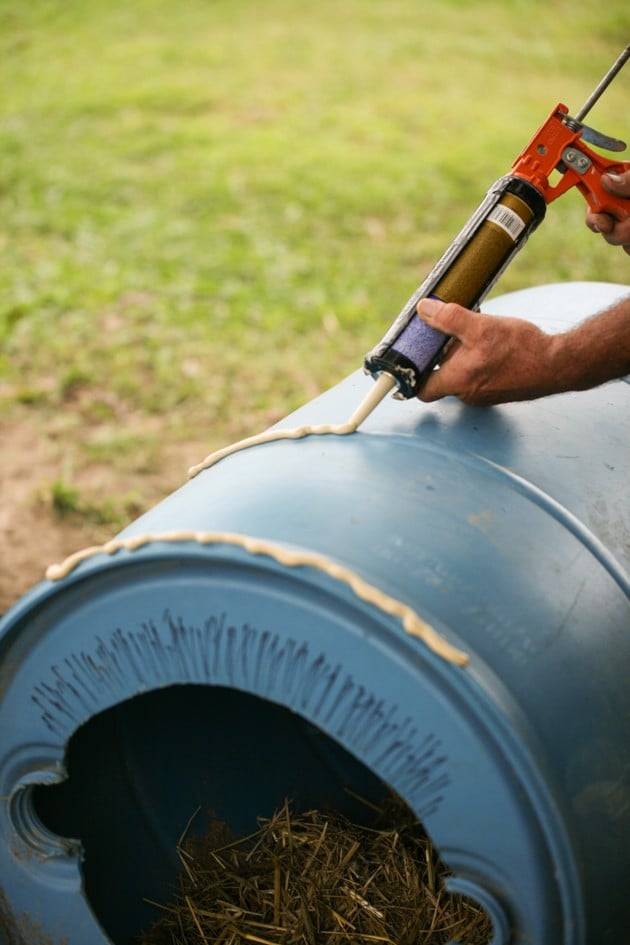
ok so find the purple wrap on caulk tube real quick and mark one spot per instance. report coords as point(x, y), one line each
point(419, 342)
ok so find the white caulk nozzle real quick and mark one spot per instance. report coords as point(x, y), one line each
point(383, 385)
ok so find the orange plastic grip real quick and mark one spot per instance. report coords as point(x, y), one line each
point(546, 152)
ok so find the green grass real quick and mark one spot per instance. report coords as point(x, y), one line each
point(68, 502)
point(210, 210)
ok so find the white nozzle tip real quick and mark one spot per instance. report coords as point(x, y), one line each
point(383, 385)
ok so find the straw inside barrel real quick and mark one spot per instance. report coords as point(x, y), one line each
point(315, 878)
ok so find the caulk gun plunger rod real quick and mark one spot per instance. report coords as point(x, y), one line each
point(603, 85)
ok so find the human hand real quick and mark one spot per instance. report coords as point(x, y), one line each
point(616, 232)
point(491, 359)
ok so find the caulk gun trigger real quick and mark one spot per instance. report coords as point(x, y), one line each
point(599, 139)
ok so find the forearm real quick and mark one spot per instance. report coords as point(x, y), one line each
point(596, 351)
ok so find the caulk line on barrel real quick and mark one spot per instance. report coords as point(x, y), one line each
point(384, 383)
point(412, 623)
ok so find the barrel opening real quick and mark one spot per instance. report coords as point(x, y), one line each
point(173, 761)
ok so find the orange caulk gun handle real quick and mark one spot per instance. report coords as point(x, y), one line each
point(558, 146)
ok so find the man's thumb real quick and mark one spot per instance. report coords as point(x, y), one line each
point(445, 316)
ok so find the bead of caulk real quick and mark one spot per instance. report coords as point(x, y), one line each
point(412, 623)
point(381, 388)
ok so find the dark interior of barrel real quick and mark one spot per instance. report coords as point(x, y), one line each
point(206, 814)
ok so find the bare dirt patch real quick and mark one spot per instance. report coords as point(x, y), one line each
point(34, 531)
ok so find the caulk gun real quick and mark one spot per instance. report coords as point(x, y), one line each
point(512, 209)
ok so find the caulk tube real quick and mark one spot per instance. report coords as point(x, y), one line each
point(499, 228)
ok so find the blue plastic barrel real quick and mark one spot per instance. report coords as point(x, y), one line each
point(148, 683)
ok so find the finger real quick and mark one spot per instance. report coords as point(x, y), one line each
point(434, 387)
point(599, 222)
point(617, 183)
point(619, 234)
point(447, 317)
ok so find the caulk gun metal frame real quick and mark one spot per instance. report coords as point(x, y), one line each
point(511, 210)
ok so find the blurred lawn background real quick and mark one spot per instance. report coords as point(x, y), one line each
point(210, 209)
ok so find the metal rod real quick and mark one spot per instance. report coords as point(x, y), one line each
point(603, 85)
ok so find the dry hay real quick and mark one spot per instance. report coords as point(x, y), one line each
point(316, 879)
